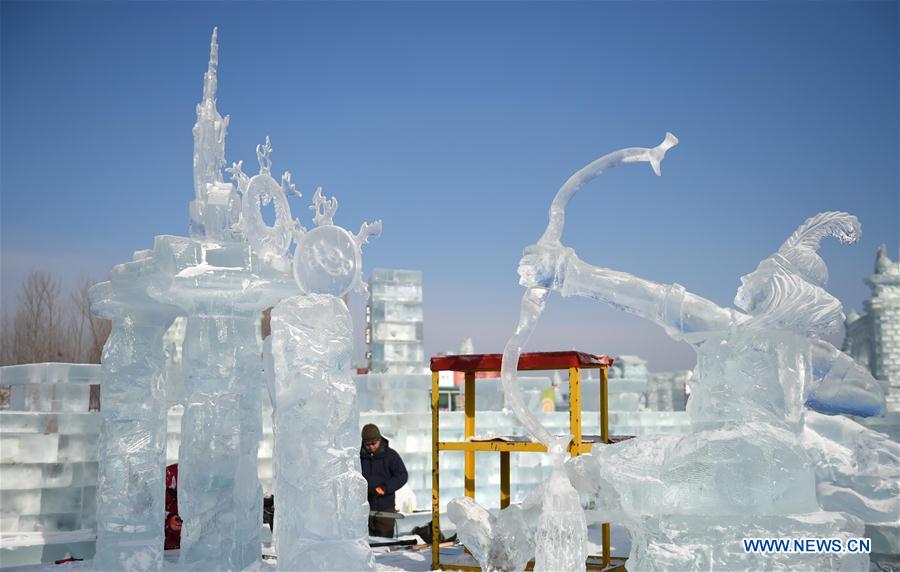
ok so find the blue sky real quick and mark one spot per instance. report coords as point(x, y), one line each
point(455, 123)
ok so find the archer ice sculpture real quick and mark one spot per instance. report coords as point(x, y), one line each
point(744, 471)
point(322, 517)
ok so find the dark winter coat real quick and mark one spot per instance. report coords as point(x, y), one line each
point(384, 468)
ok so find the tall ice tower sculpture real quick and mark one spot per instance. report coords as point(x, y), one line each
point(220, 282)
point(216, 206)
point(874, 338)
point(394, 329)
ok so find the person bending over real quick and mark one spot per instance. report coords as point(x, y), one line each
point(385, 473)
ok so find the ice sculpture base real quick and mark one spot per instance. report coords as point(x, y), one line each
point(716, 542)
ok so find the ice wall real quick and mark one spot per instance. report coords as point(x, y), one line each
point(49, 429)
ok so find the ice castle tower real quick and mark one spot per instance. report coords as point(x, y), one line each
point(873, 339)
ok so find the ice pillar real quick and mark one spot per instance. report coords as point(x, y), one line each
point(220, 498)
point(131, 482)
point(317, 469)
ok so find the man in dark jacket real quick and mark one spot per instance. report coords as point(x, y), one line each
point(385, 472)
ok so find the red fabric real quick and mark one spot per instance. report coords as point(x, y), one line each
point(173, 537)
point(527, 361)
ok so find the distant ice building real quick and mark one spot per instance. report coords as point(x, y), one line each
point(394, 322)
point(667, 391)
point(873, 339)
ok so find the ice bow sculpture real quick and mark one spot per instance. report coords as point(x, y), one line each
point(322, 517)
point(561, 535)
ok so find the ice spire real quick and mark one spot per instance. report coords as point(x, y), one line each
point(209, 78)
point(210, 129)
point(209, 159)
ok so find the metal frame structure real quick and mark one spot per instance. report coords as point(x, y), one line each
point(469, 365)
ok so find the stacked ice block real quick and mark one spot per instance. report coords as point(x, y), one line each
point(49, 427)
point(394, 322)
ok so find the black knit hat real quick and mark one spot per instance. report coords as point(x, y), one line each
point(370, 433)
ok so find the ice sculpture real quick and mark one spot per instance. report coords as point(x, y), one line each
point(505, 542)
point(559, 526)
point(322, 517)
point(857, 469)
point(535, 297)
point(743, 472)
point(220, 282)
point(130, 485)
point(561, 542)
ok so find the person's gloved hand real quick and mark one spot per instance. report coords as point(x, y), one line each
point(379, 490)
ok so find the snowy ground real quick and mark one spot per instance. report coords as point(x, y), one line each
point(411, 559)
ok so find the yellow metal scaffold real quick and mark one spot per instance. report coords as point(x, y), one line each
point(469, 365)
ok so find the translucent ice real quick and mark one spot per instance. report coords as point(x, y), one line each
point(221, 282)
point(322, 517)
point(857, 469)
point(561, 542)
point(130, 487)
point(562, 532)
point(502, 542)
point(539, 285)
point(756, 369)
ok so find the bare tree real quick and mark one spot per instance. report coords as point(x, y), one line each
point(92, 331)
point(45, 326)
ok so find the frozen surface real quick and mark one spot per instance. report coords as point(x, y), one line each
point(322, 521)
point(561, 528)
point(857, 469)
point(744, 469)
point(395, 332)
point(561, 542)
point(756, 370)
point(130, 486)
point(322, 517)
point(48, 461)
